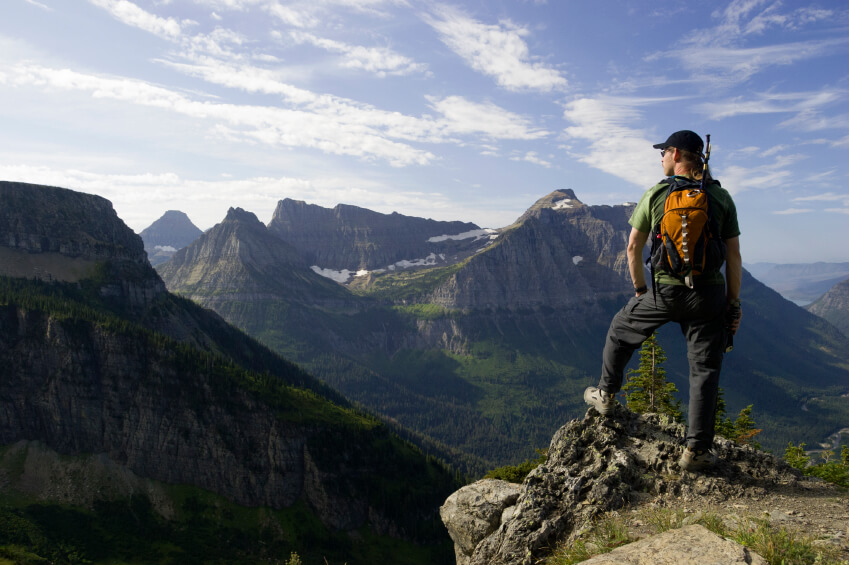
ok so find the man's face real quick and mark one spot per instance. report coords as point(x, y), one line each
point(667, 161)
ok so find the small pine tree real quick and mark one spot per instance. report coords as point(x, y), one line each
point(647, 389)
point(795, 456)
point(723, 425)
point(744, 428)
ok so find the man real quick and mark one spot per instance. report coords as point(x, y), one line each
point(705, 312)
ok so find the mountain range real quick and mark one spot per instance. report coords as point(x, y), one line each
point(135, 424)
point(801, 283)
point(483, 352)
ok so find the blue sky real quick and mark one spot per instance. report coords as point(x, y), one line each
point(451, 110)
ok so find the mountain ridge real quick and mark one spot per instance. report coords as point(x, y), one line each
point(168, 391)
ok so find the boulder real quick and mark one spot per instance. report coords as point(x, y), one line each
point(694, 545)
point(475, 511)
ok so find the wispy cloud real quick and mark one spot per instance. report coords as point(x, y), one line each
point(793, 211)
point(742, 18)
point(532, 157)
point(771, 103)
point(612, 143)
point(379, 60)
point(40, 5)
point(462, 116)
point(498, 51)
point(258, 124)
point(736, 64)
point(133, 15)
point(825, 197)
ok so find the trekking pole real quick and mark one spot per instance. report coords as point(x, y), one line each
point(707, 158)
point(732, 314)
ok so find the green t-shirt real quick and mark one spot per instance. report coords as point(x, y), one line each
point(649, 210)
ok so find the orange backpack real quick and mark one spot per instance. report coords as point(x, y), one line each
point(686, 243)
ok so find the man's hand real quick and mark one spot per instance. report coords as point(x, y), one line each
point(733, 314)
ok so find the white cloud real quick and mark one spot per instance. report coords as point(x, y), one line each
point(532, 157)
point(130, 14)
point(262, 124)
point(770, 103)
point(498, 51)
point(825, 197)
point(379, 60)
point(40, 5)
point(736, 64)
point(459, 116)
point(611, 142)
point(793, 211)
point(838, 210)
point(752, 17)
point(463, 116)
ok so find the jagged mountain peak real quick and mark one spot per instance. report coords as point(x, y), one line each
point(560, 200)
point(240, 255)
point(350, 238)
point(242, 215)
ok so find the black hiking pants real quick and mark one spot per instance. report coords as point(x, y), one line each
point(700, 313)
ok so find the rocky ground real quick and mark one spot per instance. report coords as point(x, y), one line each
point(809, 507)
point(627, 464)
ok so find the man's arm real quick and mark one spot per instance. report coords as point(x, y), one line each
point(636, 243)
point(733, 276)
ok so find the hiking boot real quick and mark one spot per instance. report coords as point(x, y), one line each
point(697, 460)
point(600, 400)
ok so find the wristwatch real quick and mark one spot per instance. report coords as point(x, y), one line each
point(642, 289)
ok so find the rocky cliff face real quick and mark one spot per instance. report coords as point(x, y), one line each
point(597, 465)
point(834, 306)
point(351, 238)
point(53, 233)
point(170, 233)
point(168, 391)
point(560, 254)
point(240, 258)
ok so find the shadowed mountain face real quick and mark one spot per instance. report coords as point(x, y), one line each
point(170, 233)
point(111, 363)
point(351, 238)
point(800, 283)
point(489, 353)
point(834, 306)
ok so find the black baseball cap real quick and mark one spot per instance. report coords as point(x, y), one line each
point(684, 139)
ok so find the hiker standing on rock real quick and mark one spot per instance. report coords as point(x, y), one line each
point(692, 221)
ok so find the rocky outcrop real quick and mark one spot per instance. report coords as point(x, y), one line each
point(596, 465)
point(353, 238)
point(833, 306)
point(475, 511)
point(167, 235)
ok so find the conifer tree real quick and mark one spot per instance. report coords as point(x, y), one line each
point(647, 389)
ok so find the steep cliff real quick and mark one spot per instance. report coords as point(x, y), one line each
point(52, 233)
point(351, 238)
point(169, 392)
point(834, 306)
point(167, 235)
